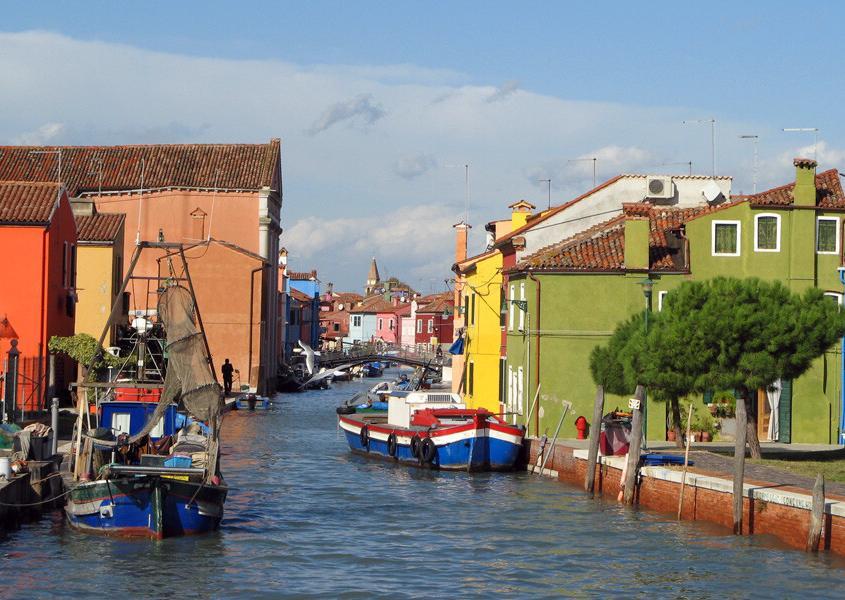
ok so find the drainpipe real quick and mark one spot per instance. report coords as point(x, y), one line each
point(536, 352)
point(841, 271)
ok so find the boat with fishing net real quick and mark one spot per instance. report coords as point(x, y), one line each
point(148, 464)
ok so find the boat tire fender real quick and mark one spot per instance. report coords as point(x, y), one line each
point(415, 446)
point(365, 437)
point(428, 450)
point(391, 445)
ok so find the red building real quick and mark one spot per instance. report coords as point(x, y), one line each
point(37, 283)
point(435, 321)
point(334, 316)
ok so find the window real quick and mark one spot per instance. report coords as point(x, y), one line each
point(390, 323)
point(65, 262)
point(834, 297)
point(380, 324)
point(510, 389)
point(519, 389)
point(660, 299)
point(120, 423)
point(430, 326)
point(335, 326)
point(767, 233)
point(502, 372)
point(511, 296)
point(72, 275)
point(158, 430)
point(466, 309)
point(473, 310)
point(470, 378)
point(419, 325)
point(827, 235)
point(726, 240)
point(521, 311)
point(356, 321)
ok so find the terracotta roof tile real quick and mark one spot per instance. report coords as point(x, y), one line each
point(27, 203)
point(204, 166)
point(99, 227)
point(602, 247)
point(439, 305)
point(829, 193)
point(301, 275)
point(301, 296)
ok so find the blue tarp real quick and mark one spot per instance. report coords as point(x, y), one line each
point(457, 347)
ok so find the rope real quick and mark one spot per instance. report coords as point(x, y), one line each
point(54, 498)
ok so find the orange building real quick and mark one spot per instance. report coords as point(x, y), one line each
point(230, 194)
point(37, 283)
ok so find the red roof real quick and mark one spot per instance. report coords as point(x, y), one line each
point(99, 227)
point(27, 203)
point(301, 296)
point(302, 276)
point(114, 168)
point(439, 305)
point(602, 247)
point(829, 193)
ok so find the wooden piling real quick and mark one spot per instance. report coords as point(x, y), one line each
point(816, 515)
point(739, 462)
point(634, 448)
point(595, 434)
point(686, 462)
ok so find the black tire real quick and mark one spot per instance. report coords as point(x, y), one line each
point(391, 445)
point(428, 450)
point(415, 446)
point(365, 437)
point(346, 410)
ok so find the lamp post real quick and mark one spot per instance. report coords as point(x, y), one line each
point(648, 286)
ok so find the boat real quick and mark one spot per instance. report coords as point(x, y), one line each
point(373, 369)
point(434, 429)
point(250, 401)
point(148, 465)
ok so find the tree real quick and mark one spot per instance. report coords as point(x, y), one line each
point(84, 349)
point(607, 363)
point(741, 334)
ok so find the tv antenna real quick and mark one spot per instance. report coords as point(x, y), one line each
point(593, 158)
point(549, 182)
point(712, 139)
point(754, 138)
point(815, 131)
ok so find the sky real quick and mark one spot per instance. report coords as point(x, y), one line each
point(380, 105)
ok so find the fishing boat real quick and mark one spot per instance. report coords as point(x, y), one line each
point(436, 430)
point(148, 465)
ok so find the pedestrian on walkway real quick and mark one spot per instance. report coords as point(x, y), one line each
point(227, 369)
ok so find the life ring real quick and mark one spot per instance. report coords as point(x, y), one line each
point(415, 446)
point(364, 436)
point(391, 445)
point(428, 450)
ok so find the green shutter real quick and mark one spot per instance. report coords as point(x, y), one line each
point(785, 412)
point(708, 396)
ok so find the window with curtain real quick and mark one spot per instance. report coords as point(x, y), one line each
point(767, 232)
point(726, 238)
point(826, 238)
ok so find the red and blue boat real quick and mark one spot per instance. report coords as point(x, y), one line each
point(434, 430)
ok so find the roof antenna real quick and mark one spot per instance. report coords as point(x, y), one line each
point(592, 158)
point(754, 137)
point(815, 131)
point(140, 202)
point(98, 161)
point(712, 122)
point(549, 181)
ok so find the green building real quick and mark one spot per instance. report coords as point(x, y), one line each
point(577, 290)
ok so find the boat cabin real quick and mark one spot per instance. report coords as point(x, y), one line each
point(402, 405)
point(130, 417)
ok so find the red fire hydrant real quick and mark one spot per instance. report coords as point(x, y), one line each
point(583, 427)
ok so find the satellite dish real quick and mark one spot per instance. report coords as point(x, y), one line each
point(712, 192)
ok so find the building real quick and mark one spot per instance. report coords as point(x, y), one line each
point(362, 321)
point(99, 268)
point(38, 294)
point(373, 279)
point(791, 233)
point(188, 193)
point(334, 316)
point(434, 321)
point(303, 310)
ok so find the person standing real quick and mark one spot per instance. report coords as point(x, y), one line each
point(227, 370)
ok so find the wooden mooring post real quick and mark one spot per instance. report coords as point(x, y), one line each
point(739, 462)
point(595, 435)
point(634, 448)
point(816, 515)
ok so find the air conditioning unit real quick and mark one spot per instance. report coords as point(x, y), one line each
point(659, 187)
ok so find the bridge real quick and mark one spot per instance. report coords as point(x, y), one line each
point(358, 355)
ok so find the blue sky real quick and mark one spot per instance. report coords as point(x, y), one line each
point(379, 103)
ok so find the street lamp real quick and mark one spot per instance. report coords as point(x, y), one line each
point(648, 286)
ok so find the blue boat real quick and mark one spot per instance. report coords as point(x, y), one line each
point(435, 430)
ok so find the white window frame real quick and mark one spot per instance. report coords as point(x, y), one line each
point(777, 234)
point(512, 307)
point(121, 422)
point(391, 324)
point(713, 238)
point(419, 325)
point(836, 296)
point(430, 327)
point(818, 220)
point(519, 388)
point(356, 320)
point(522, 312)
point(660, 299)
point(510, 389)
point(380, 324)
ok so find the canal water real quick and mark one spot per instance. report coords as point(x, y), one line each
point(306, 518)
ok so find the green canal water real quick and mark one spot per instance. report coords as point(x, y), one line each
point(305, 518)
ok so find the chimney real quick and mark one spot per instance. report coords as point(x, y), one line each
point(637, 229)
point(804, 193)
point(520, 211)
point(461, 231)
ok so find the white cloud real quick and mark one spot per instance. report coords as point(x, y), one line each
point(409, 167)
point(347, 133)
point(43, 135)
point(361, 107)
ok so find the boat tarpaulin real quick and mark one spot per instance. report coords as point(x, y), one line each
point(457, 346)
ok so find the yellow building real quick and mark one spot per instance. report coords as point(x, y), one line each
point(99, 267)
point(478, 287)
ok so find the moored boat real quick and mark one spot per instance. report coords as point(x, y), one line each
point(252, 401)
point(435, 430)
